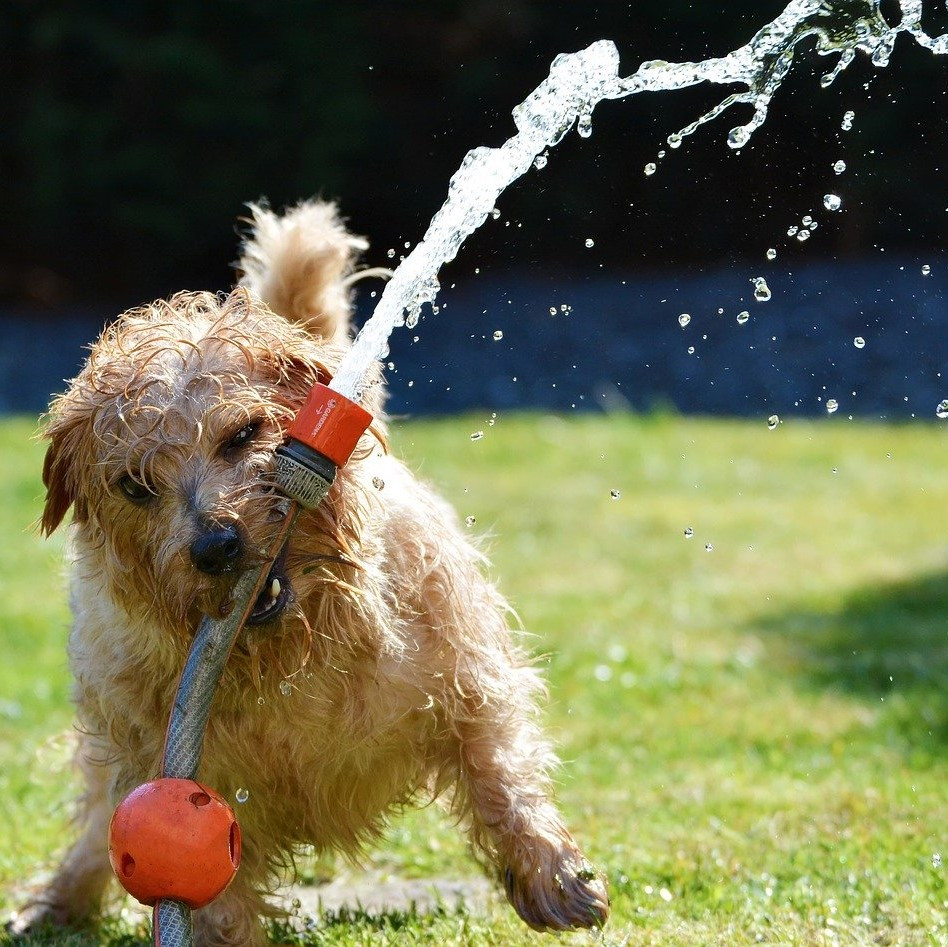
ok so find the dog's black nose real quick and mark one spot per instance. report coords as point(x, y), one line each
point(218, 550)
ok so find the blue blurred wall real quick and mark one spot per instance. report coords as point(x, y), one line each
point(619, 344)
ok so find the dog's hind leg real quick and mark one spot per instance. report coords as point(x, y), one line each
point(73, 896)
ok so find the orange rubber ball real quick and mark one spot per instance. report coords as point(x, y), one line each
point(174, 838)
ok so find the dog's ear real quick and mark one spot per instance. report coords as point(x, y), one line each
point(59, 472)
point(299, 265)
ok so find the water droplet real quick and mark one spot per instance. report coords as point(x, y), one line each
point(839, 167)
point(469, 521)
point(590, 243)
point(498, 335)
point(942, 410)
point(603, 672)
point(684, 319)
point(477, 435)
point(495, 213)
point(926, 270)
point(761, 290)
point(584, 125)
point(665, 894)
point(674, 140)
point(742, 317)
point(691, 350)
point(803, 236)
point(832, 202)
point(771, 254)
point(378, 483)
point(689, 532)
point(847, 122)
point(242, 795)
point(832, 406)
point(261, 701)
point(650, 169)
point(286, 688)
point(708, 547)
point(552, 310)
point(738, 137)
point(492, 420)
point(615, 494)
point(773, 421)
point(792, 231)
point(859, 342)
point(539, 162)
point(391, 253)
point(936, 859)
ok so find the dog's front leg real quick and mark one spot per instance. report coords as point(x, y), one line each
point(503, 775)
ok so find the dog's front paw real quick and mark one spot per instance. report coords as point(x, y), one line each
point(559, 894)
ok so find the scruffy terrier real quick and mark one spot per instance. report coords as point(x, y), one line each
point(378, 669)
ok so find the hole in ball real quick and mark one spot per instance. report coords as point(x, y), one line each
point(234, 843)
point(127, 865)
point(199, 799)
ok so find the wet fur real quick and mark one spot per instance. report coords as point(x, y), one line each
point(406, 680)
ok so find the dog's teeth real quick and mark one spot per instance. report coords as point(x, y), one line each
point(275, 588)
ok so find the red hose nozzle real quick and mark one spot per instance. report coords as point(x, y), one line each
point(330, 424)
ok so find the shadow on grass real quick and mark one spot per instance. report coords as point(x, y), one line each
point(887, 644)
point(104, 936)
point(334, 927)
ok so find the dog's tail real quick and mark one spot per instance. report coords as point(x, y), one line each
point(299, 265)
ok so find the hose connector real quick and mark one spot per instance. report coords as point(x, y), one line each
point(321, 439)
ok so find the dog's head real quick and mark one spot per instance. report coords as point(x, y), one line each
point(164, 444)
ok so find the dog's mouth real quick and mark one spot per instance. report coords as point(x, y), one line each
point(276, 593)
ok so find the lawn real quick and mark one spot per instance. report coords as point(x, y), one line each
point(753, 718)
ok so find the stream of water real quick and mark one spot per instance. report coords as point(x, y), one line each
point(566, 98)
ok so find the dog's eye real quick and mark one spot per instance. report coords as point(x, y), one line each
point(135, 490)
point(242, 437)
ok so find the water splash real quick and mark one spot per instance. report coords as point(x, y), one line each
point(566, 98)
point(576, 83)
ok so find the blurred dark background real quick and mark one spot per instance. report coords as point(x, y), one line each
point(132, 134)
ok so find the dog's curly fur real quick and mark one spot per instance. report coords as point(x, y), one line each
point(405, 678)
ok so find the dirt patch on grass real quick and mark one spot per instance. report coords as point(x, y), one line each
point(377, 893)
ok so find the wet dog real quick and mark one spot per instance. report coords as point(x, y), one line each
point(378, 665)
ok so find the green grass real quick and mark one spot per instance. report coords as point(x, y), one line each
point(754, 736)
